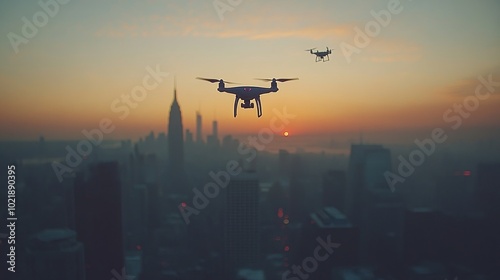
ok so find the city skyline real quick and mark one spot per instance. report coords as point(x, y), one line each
point(249, 212)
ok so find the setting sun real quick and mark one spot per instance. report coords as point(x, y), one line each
point(285, 133)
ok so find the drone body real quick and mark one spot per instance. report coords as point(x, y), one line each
point(248, 93)
point(321, 55)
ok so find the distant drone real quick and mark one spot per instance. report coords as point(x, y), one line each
point(321, 55)
point(248, 93)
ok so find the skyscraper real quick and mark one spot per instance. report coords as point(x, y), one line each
point(367, 164)
point(175, 149)
point(189, 137)
point(98, 213)
point(488, 188)
point(199, 137)
point(334, 186)
point(215, 130)
point(297, 191)
point(213, 140)
point(242, 222)
point(328, 223)
point(373, 207)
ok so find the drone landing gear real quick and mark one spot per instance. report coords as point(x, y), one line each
point(259, 106)
point(322, 58)
point(248, 105)
point(236, 100)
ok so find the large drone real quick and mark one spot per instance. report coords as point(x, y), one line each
point(321, 55)
point(248, 93)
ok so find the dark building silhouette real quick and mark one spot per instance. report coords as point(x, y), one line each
point(488, 188)
point(229, 143)
point(277, 198)
point(176, 178)
point(55, 255)
point(298, 195)
point(241, 229)
point(334, 189)
point(213, 139)
point(215, 130)
point(284, 162)
point(455, 189)
point(199, 129)
point(331, 226)
point(488, 191)
point(373, 207)
point(367, 164)
point(150, 137)
point(98, 211)
point(189, 138)
point(420, 242)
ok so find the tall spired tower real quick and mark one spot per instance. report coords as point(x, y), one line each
point(176, 182)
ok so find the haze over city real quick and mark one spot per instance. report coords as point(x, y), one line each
point(376, 157)
point(427, 58)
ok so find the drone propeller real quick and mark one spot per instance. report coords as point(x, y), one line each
point(208, 80)
point(278, 80)
point(310, 50)
point(214, 80)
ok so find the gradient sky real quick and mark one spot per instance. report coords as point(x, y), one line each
point(91, 52)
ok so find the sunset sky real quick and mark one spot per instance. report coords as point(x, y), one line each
point(66, 77)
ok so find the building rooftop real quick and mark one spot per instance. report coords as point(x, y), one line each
point(330, 217)
point(52, 235)
point(251, 274)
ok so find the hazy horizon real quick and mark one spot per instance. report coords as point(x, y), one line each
point(76, 68)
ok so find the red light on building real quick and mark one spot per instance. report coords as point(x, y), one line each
point(183, 204)
point(280, 213)
point(138, 247)
point(287, 248)
point(467, 173)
